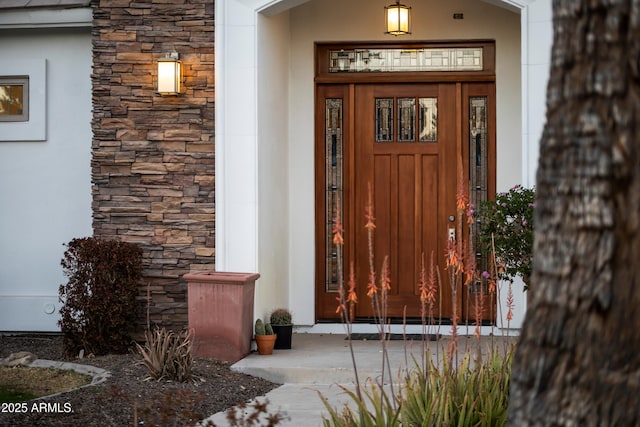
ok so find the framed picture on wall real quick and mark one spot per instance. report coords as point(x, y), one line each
point(14, 98)
point(23, 100)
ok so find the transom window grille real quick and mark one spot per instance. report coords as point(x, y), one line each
point(377, 60)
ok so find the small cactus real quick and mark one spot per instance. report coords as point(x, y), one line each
point(260, 328)
point(281, 316)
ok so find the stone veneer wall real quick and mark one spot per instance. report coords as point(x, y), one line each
point(153, 156)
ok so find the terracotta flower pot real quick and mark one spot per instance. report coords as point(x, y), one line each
point(265, 344)
point(221, 313)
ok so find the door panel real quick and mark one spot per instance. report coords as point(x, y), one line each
point(410, 184)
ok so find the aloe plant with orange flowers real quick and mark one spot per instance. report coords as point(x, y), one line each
point(454, 393)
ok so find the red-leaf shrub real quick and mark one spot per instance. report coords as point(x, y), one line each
point(99, 301)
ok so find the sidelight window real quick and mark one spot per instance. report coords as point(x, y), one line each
point(478, 135)
point(333, 186)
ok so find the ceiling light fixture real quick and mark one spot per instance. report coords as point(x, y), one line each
point(398, 19)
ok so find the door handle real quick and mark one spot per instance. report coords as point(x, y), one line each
point(452, 234)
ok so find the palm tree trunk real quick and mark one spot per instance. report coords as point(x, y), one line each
point(578, 359)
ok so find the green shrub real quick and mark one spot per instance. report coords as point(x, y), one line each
point(506, 225)
point(99, 308)
point(167, 355)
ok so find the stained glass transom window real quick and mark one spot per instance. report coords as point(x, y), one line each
point(333, 186)
point(380, 60)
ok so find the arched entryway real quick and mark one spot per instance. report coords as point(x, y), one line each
point(265, 103)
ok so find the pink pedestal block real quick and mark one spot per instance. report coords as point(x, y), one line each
point(221, 313)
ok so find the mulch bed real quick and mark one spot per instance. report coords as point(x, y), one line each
point(127, 399)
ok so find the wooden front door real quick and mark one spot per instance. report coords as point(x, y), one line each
point(406, 151)
point(403, 144)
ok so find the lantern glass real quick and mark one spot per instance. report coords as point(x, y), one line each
point(398, 19)
point(169, 76)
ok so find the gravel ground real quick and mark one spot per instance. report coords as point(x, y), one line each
point(126, 399)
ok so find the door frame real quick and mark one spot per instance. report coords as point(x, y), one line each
point(342, 85)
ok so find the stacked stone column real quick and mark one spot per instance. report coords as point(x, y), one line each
point(153, 155)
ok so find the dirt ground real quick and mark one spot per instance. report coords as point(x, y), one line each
point(126, 399)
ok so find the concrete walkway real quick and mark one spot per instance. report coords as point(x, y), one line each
point(322, 362)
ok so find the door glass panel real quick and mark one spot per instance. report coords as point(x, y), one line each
point(478, 174)
point(406, 119)
point(428, 119)
point(333, 186)
point(384, 119)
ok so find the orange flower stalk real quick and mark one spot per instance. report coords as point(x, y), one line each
point(337, 232)
point(352, 297)
point(372, 289)
point(470, 272)
point(385, 280)
point(428, 286)
point(432, 284)
point(370, 220)
point(340, 308)
point(453, 257)
point(492, 285)
point(510, 303)
point(368, 212)
point(424, 290)
point(461, 196)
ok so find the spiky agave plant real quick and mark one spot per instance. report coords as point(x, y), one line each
point(167, 355)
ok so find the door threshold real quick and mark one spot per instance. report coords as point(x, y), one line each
point(362, 328)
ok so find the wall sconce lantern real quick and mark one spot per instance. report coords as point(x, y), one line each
point(398, 17)
point(169, 74)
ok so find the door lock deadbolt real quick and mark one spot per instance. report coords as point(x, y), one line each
point(452, 218)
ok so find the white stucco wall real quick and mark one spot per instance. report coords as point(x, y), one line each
point(45, 186)
point(536, 59)
point(522, 43)
point(273, 163)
